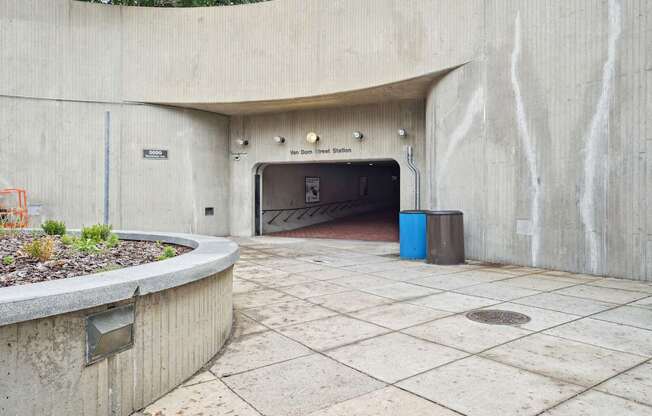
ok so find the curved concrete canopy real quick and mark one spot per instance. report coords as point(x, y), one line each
point(416, 88)
point(239, 59)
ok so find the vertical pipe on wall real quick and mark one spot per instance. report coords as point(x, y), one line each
point(417, 179)
point(107, 168)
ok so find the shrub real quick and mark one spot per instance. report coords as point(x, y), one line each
point(67, 240)
point(112, 241)
point(168, 252)
point(97, 232)
point(8, 260)
point(40, 249)
point(86, 245)
point(52, 227)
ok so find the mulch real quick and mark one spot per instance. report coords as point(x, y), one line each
point(69, 262)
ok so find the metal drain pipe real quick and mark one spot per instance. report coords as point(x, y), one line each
point(417, 177)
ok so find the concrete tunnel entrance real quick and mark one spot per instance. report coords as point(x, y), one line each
point(355, 200)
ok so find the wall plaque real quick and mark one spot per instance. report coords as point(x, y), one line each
point(157, 154)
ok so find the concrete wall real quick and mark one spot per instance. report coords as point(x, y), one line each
point(55, 150)
point(544, 142)
point(378, 123)
point(175, 333)
point(536, 124)
point(284, 188)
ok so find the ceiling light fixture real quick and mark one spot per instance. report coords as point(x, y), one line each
point(312, 137)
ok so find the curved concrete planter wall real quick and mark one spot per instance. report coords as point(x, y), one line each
point(183, 314)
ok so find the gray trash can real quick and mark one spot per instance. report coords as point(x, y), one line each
point(445, 235)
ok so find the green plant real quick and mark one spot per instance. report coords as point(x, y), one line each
point(52, 227)
point(168, 252)
point(67, 240)
point(86, 245)
point(112, 241)
point(97, 232)
point(40, 249)
point(8, 260)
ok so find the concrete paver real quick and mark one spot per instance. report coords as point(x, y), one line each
point(349, 301)
point(453, 302)
point(567, 304)
point(282, 314)
point(399, 315)
point(300, 386)
point(394, 357)
point(570, 361)
point(459, 332)
point(401, 291)
point(209, 398)
point(478, 387)
point(497, 290)
point(389, 401)
point(606, 334)
point(259, 298)
point(594, 403)
point(628, 315)
point(635, 384)
point(332, 332)
point(243, 325)
point(256, 350)
point(604, 294)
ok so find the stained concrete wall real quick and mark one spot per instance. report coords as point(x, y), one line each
point(55, 149)
point(175, 333)
point(536, 126)
point(284, 188)
point(544, 142)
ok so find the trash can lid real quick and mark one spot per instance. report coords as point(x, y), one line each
point(445, 213)
point(428, 212)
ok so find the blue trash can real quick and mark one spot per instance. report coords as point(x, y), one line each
point(412, 234)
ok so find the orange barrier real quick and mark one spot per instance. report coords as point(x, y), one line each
point(13, 215)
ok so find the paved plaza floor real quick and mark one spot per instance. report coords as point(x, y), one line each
point(326, 328)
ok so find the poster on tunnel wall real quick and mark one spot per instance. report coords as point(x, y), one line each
point(312, 190)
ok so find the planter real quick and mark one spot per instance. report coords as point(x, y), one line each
point(175, 315)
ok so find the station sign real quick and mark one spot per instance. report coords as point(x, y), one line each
point(156, 154)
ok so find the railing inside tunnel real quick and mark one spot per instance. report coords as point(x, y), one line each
point(328, 209)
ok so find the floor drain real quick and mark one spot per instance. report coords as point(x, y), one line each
point(498, 317)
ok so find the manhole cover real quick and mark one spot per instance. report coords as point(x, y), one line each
point(498, 317)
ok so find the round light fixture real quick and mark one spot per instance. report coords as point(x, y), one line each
point(242, 142)
point(357, 135)
point(402, 132)
point(312, 137)
point(279, 139)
